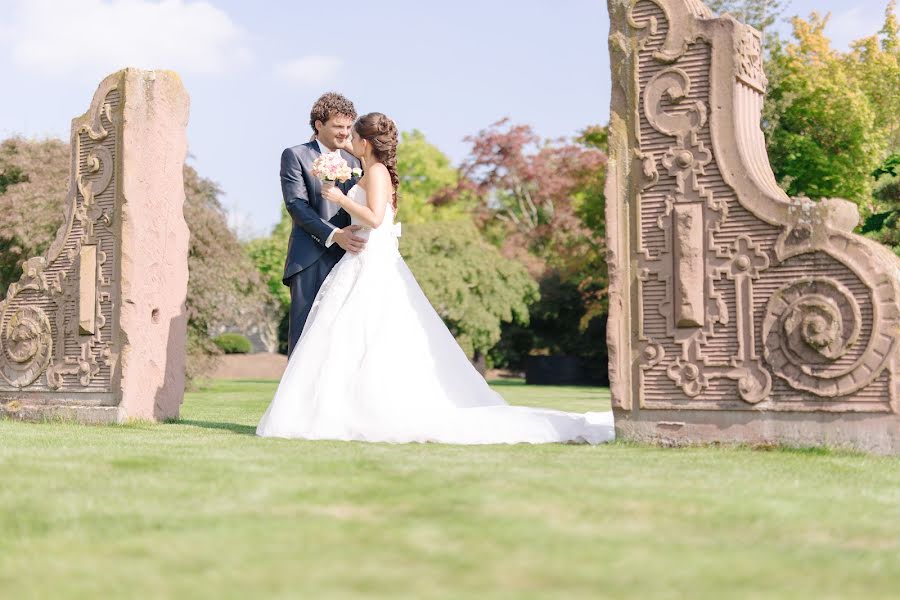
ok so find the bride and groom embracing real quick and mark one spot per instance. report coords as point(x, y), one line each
point(370, 359)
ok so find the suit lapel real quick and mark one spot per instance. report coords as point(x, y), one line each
point(315, 184)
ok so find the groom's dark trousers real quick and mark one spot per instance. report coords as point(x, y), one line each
point(308, 261)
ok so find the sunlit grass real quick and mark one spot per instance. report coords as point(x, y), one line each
point(204, 509)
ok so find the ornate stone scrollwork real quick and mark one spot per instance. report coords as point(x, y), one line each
point(689, 376)
point(95, 129)
point(809, 325)
point(748, 50)
point(673, 86)
point(108, 288)
point(649, 172)
point(652, 353)
point(678, 35)
point(734, 309)
point(27, 346)
point(33, 278)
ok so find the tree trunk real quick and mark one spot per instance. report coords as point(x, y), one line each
point(479, 361)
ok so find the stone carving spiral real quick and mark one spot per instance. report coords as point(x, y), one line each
point(27, 346)
point(809, 325)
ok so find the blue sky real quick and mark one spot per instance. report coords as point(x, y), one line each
point(254, 69)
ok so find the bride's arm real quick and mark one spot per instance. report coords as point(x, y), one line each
point(378, 194)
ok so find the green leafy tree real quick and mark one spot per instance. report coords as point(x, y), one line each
point(761, 14)
point(822, 135)
point(34, 177)
point(584, 262)
point(874, 62)
point(426, 176)
point(884, 225)
point(268, 254)
point(224, 287)
point(558, 324)
point(471, 285)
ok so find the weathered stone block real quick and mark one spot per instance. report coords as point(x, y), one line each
point(95, 329)
point(737, 314)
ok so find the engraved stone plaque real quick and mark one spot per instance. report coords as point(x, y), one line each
point(76, 335)
point(737, 313)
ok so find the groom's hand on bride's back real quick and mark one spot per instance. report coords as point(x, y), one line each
point(346, 239)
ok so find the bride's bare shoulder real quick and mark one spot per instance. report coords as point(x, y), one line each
point(378, 170)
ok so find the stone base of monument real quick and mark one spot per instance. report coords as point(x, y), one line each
point(94, 330)
point(865, 433)
point(55, 410)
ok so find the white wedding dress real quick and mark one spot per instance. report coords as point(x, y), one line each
point(376, 363)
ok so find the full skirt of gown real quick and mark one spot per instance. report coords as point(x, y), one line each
point(376, 363)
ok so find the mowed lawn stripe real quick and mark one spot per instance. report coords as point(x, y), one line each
point(202, 508)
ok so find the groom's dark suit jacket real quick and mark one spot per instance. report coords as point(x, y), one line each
point(314, 217)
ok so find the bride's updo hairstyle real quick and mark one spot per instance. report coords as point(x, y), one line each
point(381, 132)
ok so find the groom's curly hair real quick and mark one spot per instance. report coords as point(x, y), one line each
point(329, 105)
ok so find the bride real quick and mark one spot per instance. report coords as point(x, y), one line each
point(376, 363)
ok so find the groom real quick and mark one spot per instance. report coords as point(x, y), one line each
point(321, 232)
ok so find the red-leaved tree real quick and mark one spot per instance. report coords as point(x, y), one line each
point(543, 201)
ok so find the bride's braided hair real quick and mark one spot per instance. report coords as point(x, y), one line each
point(381, 132)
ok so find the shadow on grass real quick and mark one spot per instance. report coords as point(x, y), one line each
point(232, 427)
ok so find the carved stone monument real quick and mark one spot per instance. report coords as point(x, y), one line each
point(737, 313)
point(95, 329)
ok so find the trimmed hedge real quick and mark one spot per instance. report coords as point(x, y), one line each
point(233, 343)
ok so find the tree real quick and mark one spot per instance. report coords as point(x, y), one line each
point(528, 190)
point(426, 175)
point(884, 224)
point(874, 62)
point(821, 129)
point(585, 262)
point(760, 14)
point(542, 202)
point(268, 254)
point(34, 177)
point(472, 287)
point(557, 325)
point(224, 287)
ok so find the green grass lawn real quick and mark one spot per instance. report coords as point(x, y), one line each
point(204, 509)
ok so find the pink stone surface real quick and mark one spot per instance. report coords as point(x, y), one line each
point(95, 328)
point(155, 239)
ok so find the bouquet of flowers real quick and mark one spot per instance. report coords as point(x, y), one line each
point(331, 167)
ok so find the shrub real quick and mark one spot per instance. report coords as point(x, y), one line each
point(233, 343)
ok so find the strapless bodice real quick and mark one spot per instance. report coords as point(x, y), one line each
point(387, 229)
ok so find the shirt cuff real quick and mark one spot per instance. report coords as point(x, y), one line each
point(330, 239)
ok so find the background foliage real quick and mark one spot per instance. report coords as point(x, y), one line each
point(468, 281)
point(509, 244)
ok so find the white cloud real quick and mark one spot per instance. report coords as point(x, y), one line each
point(64, 36)
point(310, 70)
